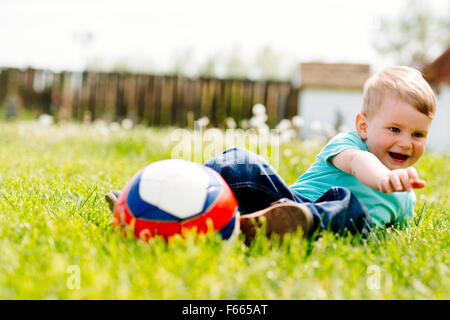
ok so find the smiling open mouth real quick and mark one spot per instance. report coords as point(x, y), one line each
point(398, 156)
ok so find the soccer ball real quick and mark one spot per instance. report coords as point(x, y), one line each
point(168, 196)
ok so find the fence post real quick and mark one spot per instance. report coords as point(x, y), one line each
point(3, 84)
point(158, 100)
point(28, 94)
point(220, 103)
point(174, 97)
point(141, 82)
point(149, 100)
point(120, 109)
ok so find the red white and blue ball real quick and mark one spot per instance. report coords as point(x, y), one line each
point(168, 196)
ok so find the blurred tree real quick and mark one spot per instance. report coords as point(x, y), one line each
point(95, 64)
point(209, 67)
point(121, 66)
point(415, 36)
point(235, 66)
point(127, 64)
point(268, 64)
point(182, 61)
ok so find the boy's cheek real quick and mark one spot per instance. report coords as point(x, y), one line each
point(421, 148)
point(418, 153)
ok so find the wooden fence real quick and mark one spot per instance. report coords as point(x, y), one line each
point(149, 99)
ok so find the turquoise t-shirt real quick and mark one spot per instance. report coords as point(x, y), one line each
point(322, 175)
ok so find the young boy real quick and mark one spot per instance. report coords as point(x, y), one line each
point(360, 179)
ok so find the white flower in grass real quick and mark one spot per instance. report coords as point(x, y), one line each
point(244, 124)
point(100, 123)
point(114, 126)
point(45, 120)
point(104, 131)
point(263, 129)
point(298, 121)
point(284, 125)
point(101, 126)
point(259, 109)
point(270, 275)
point(264, 116)
point(127, 124)
point(230, 123)
point(257, 122)
point(287, 135)
point(203, 122)
point(287, 152)
point(294, 160)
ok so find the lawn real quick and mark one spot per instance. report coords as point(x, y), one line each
point(56, 239)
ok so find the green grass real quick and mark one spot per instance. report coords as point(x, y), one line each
point(53, 220)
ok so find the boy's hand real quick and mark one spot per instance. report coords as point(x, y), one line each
point(368, 169)
point(400, 180)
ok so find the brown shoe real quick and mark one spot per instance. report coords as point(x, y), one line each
point(283, 216)
point(111, 197)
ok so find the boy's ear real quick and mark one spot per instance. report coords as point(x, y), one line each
point(361, 125)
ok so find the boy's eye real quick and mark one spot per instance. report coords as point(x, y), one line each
point(417, 134)
point(394, 129)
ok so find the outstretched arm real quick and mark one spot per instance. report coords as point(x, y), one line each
point(368, 169)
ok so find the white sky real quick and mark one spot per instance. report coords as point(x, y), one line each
point(151, 33)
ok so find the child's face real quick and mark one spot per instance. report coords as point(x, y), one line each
point(396, 133)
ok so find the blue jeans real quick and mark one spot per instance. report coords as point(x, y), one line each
point(256, 185)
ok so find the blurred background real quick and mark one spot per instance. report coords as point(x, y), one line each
point(170, 62)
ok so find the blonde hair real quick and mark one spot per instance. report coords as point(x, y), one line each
point(400, 82)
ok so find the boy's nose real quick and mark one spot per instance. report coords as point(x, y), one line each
point(404, 143)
